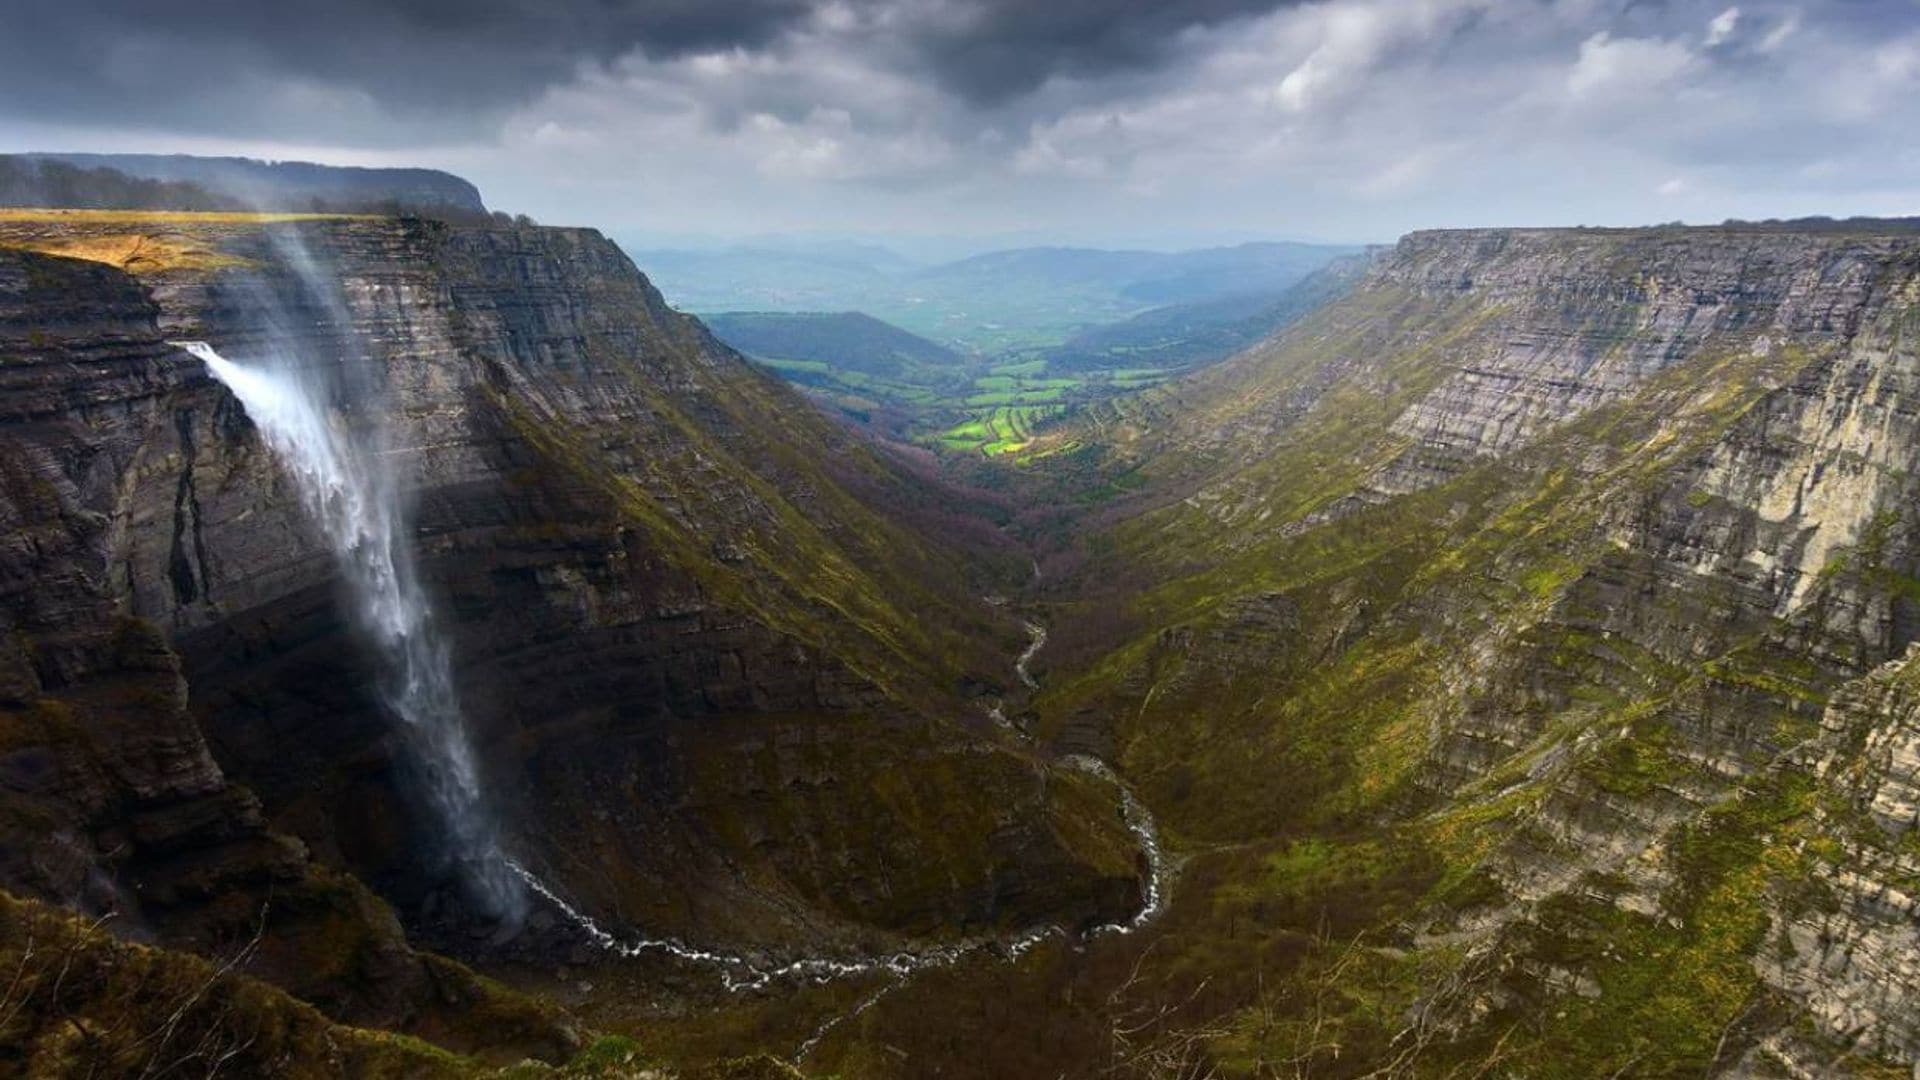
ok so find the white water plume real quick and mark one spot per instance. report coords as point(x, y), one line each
point(351, 493)
point(1146, 832)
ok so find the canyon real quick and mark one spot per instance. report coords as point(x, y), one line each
point(1507, 667)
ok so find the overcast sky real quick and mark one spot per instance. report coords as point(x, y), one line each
point(1098, 121)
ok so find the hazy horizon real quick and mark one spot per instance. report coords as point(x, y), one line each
point(1178, 124)
point(932, 249)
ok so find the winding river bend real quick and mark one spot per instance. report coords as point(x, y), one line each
point(1037, 640)
point(740, 974)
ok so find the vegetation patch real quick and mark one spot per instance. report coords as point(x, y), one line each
point(136, 253)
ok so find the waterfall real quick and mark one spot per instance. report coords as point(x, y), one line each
point(349, 490)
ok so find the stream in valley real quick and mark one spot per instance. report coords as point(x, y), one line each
point(740, 973)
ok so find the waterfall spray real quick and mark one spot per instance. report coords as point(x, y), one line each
point(353, 496)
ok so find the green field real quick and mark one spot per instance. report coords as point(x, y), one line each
point(1036, 396)
point(1004, 430)
point(920, 391)
point(1023, 367)
point(985, 410)
point(1137, 379)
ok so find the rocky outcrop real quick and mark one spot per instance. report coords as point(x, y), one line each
point(1844, 945)
point(75, 666)
point(1586, 317)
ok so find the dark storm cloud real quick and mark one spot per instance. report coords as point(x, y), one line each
point(1341, 117)
point(204, 64)
point(452, 66)
point(1010, 47)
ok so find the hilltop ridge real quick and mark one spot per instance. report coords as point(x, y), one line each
point(191, 182)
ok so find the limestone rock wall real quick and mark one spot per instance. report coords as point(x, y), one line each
point(111, 801)
point(717, 675)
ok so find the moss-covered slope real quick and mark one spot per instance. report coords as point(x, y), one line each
point(1510, 590)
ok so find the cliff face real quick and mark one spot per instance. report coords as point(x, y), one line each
point(723, 687)
point(1588, 317)
point(701, 651)
point(1565, 564)
point(65, 631)
point(113, 802)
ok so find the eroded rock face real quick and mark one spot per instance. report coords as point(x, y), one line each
point(1591, 545)
point(1762, 568)
point(1583, 318)
point(76, 667)
point(1847, 949)
point(712, 670)
point(112, 800)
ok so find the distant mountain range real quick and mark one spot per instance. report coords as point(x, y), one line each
point(847, 339)
point(909, 387)
point(1186, 335)
point(899, 383)
point(990, 303)
point(772, 279)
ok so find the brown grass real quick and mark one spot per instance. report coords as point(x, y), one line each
point(171, 217)
point(76, 1001)
point(139, 242)
point(136, 253)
